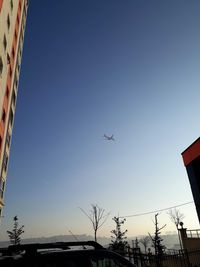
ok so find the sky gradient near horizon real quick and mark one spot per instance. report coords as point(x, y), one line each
point(123, 67)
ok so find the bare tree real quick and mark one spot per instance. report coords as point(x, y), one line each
point(97, 216)
point(145, 241)
point(176, 216)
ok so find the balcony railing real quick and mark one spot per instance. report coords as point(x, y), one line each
point(193, 233)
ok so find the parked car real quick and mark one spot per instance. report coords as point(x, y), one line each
point(61, 254)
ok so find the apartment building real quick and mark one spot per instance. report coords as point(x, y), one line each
point(13, 15)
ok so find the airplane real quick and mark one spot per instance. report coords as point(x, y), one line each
point(109, 138)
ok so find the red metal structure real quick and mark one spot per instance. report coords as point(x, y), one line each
point(191, 159)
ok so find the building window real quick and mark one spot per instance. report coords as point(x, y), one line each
point(13, 52)
point(11, 4)
point(20, 4)
point(8, 59)
point(1, 66)
point(4, 42)
point(2, 187)
point(15, 34)
point(18, 66)
point(3, 118)
point(7, 92)
point(0, 141)
point(18, 19)
point(14, 98)
point(16, 83)
point(8, 139)
point(5, 162)
point(24, 20)
point(8, 22)
point(22, 36)
point(11, 117)
point(20, 50)
point(10, 72)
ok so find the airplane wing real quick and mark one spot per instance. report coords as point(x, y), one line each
point(109, 138)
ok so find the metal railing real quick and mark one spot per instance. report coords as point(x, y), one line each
point(176, 258)
point(193, 233)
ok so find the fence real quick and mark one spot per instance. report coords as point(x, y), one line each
point(181, 258)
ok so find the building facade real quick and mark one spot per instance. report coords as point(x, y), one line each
point(13, 15)
point(191, 159)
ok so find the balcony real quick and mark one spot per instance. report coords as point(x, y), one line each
point(193, 233)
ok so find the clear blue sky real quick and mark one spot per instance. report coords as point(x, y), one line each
point(123, 67)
